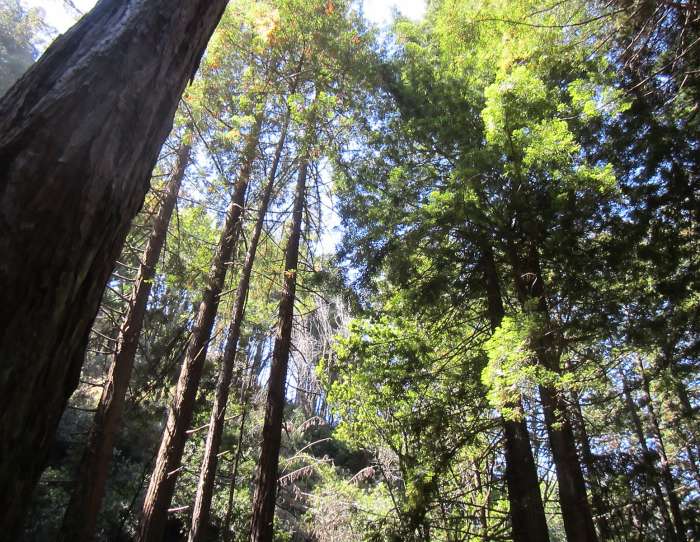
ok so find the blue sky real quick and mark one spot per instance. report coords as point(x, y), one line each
point(380, 12)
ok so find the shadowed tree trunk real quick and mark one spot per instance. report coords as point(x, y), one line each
point(599, 506)
point(80, 134)
point(685, 418)
point(166, 469)
point(576, 511)
point(80, 519)
point(528, 520)
point(205, 487)
point(684, 423)
point(266, 485)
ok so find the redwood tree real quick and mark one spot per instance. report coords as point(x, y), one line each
point(647, 457)
point(162, 483)
point(80, 134)
point(528, 521)
point(80, 519)
point(664, 466)
point(266, 485)
point(205, 487)
point(576, 511)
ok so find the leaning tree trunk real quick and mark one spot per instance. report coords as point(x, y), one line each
point(685, 419)
point(80, 519)
point(266, 487)
point(576, 511)
point(79, 135)
point(686, 426)
point(166, 469)
point(205, 487)
point(528, 520)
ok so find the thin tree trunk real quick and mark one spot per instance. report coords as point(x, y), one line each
point(166, 470)
point(666, 474)
point(266, 486)
point(641, 437)
point(205, 487)
point(79, 135)
point(599, 507)
point(528, 520)
point(80, 519)
point(576, 512)
point(685, 407)
point(245, 400)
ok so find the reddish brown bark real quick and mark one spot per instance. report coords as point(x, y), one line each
point(205, 487)
point(266, 484)
point(80, 134)
point(80, 519)
point(166, 469)
point(528, 520)
point(576, 511)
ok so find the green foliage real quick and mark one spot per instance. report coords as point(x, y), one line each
point(510, 371)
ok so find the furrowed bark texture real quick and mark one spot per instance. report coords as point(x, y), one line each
point(166, 469)
point(80, 519)
point(576, 511)
point(266, 485)
point(205, 487)
point(79, 135)
point(528, 520)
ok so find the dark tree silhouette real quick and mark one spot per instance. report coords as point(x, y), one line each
point(79, 135)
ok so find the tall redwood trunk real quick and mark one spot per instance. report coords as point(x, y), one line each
point(80, 519)
point(205, 487)
point(79, 135)
point(576, 511)
point(266, 486)
point(528, 520)
point(166, 469)
point(666, 474)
